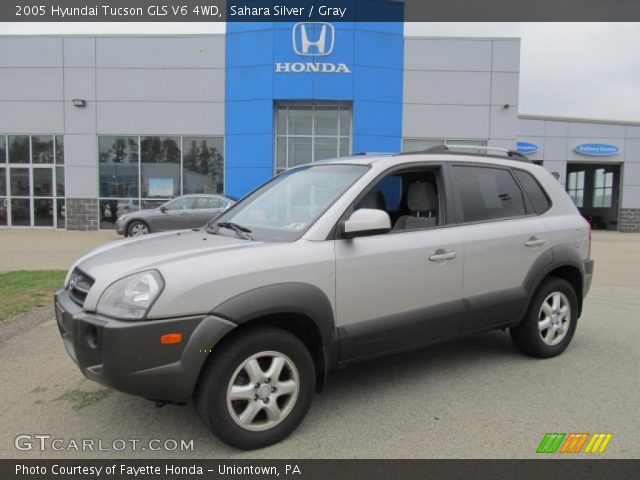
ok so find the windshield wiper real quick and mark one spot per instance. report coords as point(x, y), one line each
point(241, 231)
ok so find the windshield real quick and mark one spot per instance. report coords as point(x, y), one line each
point(284, 208)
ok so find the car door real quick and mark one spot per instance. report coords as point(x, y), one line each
point(402, 288)
point(206, 208)
point(174, 216)
point(505, 243)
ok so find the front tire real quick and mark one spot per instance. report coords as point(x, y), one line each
point(137, 228)
point(550, 322)
point(256, 388)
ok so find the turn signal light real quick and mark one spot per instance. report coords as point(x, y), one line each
point(171, 338)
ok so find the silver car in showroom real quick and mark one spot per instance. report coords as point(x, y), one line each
point(188, 211)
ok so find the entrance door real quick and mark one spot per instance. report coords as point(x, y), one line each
point(20, 191)
point(31, 197)
point(595, 189)
point(32, 181)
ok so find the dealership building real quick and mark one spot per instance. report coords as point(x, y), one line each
point(93, 126)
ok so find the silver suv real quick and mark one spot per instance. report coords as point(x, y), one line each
point(325, 265)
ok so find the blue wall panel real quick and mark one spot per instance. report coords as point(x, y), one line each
point(374, 54)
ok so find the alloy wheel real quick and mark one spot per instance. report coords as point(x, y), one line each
point(554, 318)
point(263, 390)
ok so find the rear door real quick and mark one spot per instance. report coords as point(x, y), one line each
point(206, 208)
point(505, 242)
point(402, 288)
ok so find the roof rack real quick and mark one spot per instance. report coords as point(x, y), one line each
point(359, 154)
point(510, 154)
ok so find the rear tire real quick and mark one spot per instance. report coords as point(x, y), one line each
point(256, 388)
point(550, 322)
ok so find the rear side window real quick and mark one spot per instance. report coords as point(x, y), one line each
point(208, 202)
point(538, 198)
point(487, 193)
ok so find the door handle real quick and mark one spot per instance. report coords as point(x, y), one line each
point(441, 255)
point(535, 242)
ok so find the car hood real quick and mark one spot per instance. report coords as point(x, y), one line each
point(120, 258)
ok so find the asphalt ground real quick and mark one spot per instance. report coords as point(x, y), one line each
point(477, 397)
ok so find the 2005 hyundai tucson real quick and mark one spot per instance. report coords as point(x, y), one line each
point(324, 265)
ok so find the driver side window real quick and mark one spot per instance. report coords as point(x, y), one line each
point(410, 197)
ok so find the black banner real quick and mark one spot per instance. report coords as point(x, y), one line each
point(317, 10)
point(582, 469)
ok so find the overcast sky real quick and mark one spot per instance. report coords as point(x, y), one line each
point(588, 70)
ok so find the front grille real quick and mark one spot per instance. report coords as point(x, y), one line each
point(79, 285)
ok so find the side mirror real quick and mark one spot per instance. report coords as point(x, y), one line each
point(366, 221)
point(163, 209)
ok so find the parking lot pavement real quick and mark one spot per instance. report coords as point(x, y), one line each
point(47, 249)
point(474, 398)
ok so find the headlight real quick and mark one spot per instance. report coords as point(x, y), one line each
point(131, 297)
point(122, 217)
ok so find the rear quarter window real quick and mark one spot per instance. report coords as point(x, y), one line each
point(537, 196)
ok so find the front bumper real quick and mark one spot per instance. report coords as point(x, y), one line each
point(128, 355)
point(121, 227)
point(588, 276)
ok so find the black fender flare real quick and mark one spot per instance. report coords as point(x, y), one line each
point(287, 298)
point(550, 260)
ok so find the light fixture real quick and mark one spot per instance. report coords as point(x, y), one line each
point(78, 102)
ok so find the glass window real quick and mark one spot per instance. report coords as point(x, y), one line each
point(160, 166)
point(345, 122)
point(299, 151)
point(487, 193)
point(3, 149)
point(42, 148)
point(59, 149)
point(118, 167)
point(184, 203)
point(42, 182)
point(326, 121)
point(603, 188)
point(325, 147)
point(18, 148)
point(538, 198)
point(62, 213)
point(308, 133)
point(146, 204)
point(300, 121)
point(284, 208)
point(575, 187)
point(208, 202)
point(20, 182)
point(4, 211)
point(203, 165)
point(43, 212)
point(20, 212)
point(60, 181)
point(111, 209)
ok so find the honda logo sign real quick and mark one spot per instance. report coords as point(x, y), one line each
point(312, 39)
point(321, 44)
